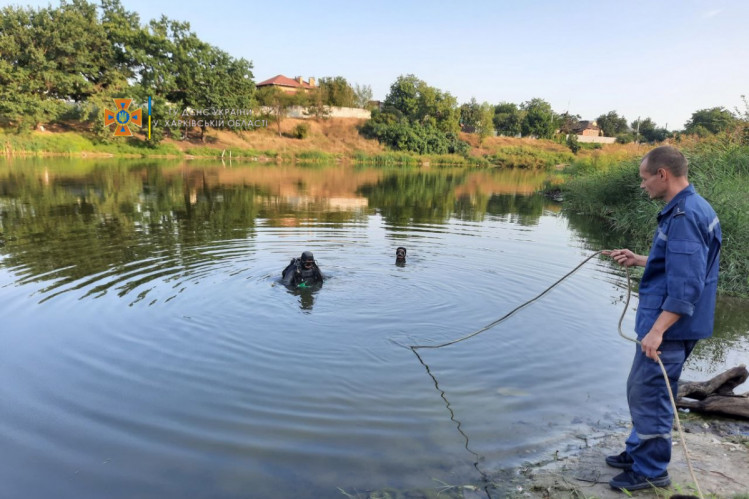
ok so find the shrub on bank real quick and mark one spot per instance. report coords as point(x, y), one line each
point(401, 135)
point(719, 172)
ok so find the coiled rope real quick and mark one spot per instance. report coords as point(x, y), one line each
point(512, 312)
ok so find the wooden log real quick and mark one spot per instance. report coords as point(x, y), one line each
point(722, 384)
point(716, 395)
point(736, 406)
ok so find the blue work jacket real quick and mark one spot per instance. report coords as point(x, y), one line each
point(681, 274)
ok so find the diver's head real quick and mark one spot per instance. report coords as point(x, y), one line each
point(308, 260)
point(400, 253)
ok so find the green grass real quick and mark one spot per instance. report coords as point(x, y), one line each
point(528, 157)
point(386, 158)
point(76, 143)
point(233, 152)
point(454, 160)
point(593, 163)
point(719, 172)
point(315, 157)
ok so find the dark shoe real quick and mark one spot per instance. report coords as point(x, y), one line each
point(630, 480)
point(622, 461)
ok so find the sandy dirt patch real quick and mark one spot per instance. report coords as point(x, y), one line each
point(719, 452)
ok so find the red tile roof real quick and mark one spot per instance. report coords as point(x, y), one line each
point(283, 81)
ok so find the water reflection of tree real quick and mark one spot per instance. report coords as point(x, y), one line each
point(64, 220)
point(526, 210)
point(414, 196)
point(405, 197)
point(102, 221)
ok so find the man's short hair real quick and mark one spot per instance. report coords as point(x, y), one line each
point(667, 157)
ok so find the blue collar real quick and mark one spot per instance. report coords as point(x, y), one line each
point(680, 196)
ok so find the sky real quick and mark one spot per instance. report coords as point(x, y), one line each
point(658, 59)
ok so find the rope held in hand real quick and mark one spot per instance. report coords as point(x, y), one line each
point(668, 386)
point(621, 333)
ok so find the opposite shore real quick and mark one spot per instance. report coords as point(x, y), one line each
point(323, 141)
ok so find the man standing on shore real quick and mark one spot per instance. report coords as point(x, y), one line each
point(677, 306)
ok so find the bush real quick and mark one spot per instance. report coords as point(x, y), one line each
point(414, 137)
point(301, 131)
point(572, 143)
point(625, 138)
point(395, 131)
point(719, 172)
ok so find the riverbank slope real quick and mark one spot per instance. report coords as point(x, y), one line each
point(323, 140)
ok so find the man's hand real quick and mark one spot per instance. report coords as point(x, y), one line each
point(650, 344)
point(654, 338)
point(626, 257)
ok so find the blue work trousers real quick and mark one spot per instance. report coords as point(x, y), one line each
point(649, 444)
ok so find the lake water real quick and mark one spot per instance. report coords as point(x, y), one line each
point(147, 349)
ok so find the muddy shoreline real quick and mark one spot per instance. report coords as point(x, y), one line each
point(575, 467)
point(718, 447)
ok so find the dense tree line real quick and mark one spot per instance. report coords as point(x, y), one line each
point(69, 62)
point(415, 116)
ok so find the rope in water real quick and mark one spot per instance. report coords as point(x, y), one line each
point(508, 314)
point(621, 333)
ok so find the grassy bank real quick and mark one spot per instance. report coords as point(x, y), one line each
point(719, 171)
point(76, 144)
point(327, 141)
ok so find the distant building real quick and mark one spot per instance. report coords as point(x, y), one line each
point(590, 132)
point(586, 129)
point(288, 85)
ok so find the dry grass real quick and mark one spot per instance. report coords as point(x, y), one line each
point(491, 145)
point(338, 136)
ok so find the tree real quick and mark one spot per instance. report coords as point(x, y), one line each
point(567, 122)
point(612, 125)
point(53, 60)
point(470, 114)
point(417, 117)
point(439, 109)
point(508, 119)
point(477, 118)
point(647, 131)
point(50, 57)
point(336, 92)
point(714, 120)
point(363, 95)
point(539, 119)
point(194, 74)
point(279, 102)
point(127, 38)
point(485, 126)
point(404, 97)
point(314, 102)
point(420, 103)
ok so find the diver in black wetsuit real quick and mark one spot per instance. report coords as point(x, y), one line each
point(302, 272)
point(400, 256)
